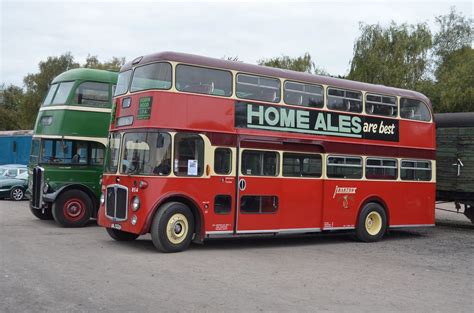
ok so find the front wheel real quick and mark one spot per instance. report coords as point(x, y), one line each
point(73, 208)
point(173, 227)
point(17, 194)
point(372, 223)
point(120, 235)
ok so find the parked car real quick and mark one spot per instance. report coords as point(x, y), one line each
point(14, 188)
point(12, 170)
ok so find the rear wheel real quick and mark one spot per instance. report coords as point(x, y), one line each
point(17, 194)
point(42, 214)
point(173, 227)
point(73, 208)
point(372, 223)
point(120, 235)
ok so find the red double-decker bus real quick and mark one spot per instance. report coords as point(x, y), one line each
point(202, 147)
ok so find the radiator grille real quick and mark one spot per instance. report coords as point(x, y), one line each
point(116, 202)
point(37, 188)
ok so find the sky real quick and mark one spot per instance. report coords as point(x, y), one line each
point(33, 30)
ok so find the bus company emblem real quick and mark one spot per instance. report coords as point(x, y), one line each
point(316, 122)
point(346, 193)
point(344, 190)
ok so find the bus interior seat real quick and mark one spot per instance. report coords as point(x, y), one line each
point(294, 99)
point(204, 88)
point(268, 95)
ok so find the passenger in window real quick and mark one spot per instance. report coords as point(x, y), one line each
point(76, 158)
point(164, 168)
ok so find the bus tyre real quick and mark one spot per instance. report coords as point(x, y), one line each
point(17, 194)
point(173, 227)
point(372, 223)
point(44, 214)
point(121, 235)
point(73, 208)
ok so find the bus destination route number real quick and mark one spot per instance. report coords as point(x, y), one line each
point(144, 108)
point(316, 122)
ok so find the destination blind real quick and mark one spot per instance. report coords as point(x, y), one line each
point(316, 122)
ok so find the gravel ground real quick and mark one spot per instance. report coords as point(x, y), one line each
point(45, 268)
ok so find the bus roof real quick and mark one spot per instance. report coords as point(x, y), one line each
point(274, 72)
point(87, 74)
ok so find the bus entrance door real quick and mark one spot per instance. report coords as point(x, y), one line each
point(279, 190)
point(258, 189)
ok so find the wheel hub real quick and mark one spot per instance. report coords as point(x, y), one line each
point(373, 223)
point(177, 228)
point(74, 209)
point(17, 194)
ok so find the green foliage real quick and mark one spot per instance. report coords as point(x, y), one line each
point(454, 65)
point(455, 82)
point(11, 100)
point(112, 65)
point(393, 56)
point(399, 56)
point(454, 34)
point(301, 64)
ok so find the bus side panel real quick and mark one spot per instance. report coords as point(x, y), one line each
point(300, 203)
point(408, 203)
point(342, 200)
point(416, 204)
point(417, 134)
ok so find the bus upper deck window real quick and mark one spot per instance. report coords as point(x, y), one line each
point(151, 76)
point(50, 95)
point(344, 100)
point(203, 80)
point(381, 105)
point(122, 83)
point(258, 88)
point(414, 110)
point(62, 93)
point(303, 94)
point(92, 93)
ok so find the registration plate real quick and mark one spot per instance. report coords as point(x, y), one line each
point(116, 226)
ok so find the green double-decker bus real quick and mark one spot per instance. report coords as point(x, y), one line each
point(68, 147)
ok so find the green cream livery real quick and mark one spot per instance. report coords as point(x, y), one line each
point(67, 153)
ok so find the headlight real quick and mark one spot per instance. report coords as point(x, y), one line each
point(102, 199)
point(45, 188)
point(135, 203)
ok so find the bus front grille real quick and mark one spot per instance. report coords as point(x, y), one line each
point(116, 202)
point(37, 187)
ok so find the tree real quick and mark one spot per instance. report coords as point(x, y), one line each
point(113, 64)
point(453, 62)
point(37, 85)
point(301, 64)
point(393, 56)
point(455, 32)
point(11, 97)
point(455, 82)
